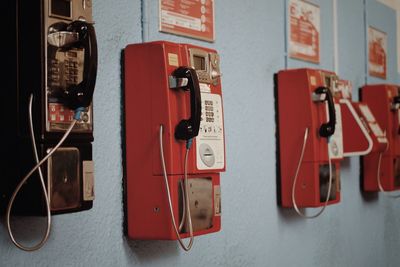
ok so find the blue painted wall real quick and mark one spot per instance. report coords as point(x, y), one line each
point(360, 231)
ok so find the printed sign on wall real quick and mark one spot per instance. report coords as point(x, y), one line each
point(193, 18)
point(304, 30)
point(377, 53)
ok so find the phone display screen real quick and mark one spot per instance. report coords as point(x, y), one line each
point(199, 63)
point(61, 8)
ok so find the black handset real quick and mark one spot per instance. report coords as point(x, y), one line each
point(395, 107)
point(396, 100)
point(187, 129)
point(80, 95)
point(327, 129)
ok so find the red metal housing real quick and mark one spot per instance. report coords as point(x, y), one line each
point(383, 100)
point(296, 112)
point(149, 103)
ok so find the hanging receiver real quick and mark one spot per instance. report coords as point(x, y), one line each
point(79, 35)
point(395, 103)
point(81, 95)
point(327, 129)
point(186, 78)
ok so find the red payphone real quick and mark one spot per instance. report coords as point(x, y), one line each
point(173, 98)
point(310, 139)
point(381, 168)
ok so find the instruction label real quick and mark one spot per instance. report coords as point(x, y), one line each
point(192, 18)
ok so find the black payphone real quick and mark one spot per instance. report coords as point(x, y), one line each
point(47, 109)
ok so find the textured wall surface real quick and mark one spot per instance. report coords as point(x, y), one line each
point(360, 231)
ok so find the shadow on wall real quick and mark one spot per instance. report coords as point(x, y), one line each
point(143, 250)
point(289, 215)
point(369, 196)
point(277, 153)
point(123, 142)
point(152, 250)
point(366, 196)
point(28, 230)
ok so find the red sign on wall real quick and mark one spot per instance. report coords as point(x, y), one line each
point(193, 18)
point(304, 31)
point(377, 53)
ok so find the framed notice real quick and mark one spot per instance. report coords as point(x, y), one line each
point(377, 52)
point(304, 30)
point(192, 18)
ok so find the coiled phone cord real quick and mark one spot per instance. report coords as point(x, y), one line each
point(186, 193)
point(378, 177)
point(296, 176)
point(23, 181)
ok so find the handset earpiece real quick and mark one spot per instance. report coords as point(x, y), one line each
point(395, 106)
point(80, 27)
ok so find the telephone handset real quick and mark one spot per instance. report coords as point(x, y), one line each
point(395, 103)
point(396, 108)
point(78, 34)
point(327, 129)
point(187, 129)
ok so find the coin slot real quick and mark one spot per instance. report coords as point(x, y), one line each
point(207, 155)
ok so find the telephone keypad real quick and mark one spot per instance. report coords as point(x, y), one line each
point(65, 68)
point(209, 117)
point(55, 72)
point(71, 70)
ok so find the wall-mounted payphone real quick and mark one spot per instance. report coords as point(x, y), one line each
point(50, 84)
point(309, 138)
point(173, 99)
point(381, 168)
